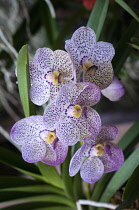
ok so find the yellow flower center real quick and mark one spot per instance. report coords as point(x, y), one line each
point(100, 150)
point(75, 111)
point(50, 137)
point(55, 77)
point(88, 63)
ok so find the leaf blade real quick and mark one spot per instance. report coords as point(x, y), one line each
point(23, 81)
point(127, 8)
point(131, 191)
point(50, 175)
point(20, 165)
point(98, 15)
point(120, 177)
point(123, 48)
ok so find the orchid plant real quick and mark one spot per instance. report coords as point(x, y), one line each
point(69, 117)
point(65, 140)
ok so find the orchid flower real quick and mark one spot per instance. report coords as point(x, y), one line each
point(70, 114)
point(114, 91)
point(97, 156)
point(38, 143)
point(91, 58)
point(49, 71)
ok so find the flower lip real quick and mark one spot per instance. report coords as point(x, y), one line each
point(48, 136)
point(74, 111)
point(87, 63)
point(97, 150)
point(54, 77)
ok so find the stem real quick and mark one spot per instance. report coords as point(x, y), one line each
point(94, 203)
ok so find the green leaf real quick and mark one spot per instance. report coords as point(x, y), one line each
point(35, 189)
point(134, 46)
point(98, 15)
point(15, 161)
point(20, 184)
point(68, 181)
point(123, 49)
point(129, 136)
point(77, 187)
point(23, 81)
point(24, 196)
point(50, 175)
point(131, 192)
point(120, 177)
point(23, 206)
point(132, 186)
point(58, 208)
point(14, 181)
point(100, 186)
point(127, 8)
point(38, 206)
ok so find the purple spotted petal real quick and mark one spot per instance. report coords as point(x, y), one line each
point(36, 74)
point(77, 159)
point(67, 131)
point(93, 122)
point(33, 150)
point(92, 169)
point(89, 96)
point(26, 129)
point(107, 133)
point(84, 39)
point(66, 95)
point(87, 125)
point(114, 91)
point(69, 93)
point(54, 88)
point(63, 64)
point(75, 56)
point(101, 75)
point(45, 58)
point(102, 53)
point(51, 116)
point(55, 154)
point(40, 93)
point(112, 160)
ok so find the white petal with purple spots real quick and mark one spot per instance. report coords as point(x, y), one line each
point(92, 169)
point(77, 159)
point(114, 159)
point(84, 39)
point(55, 153)
point(114, 91)
point(54, 88)
point(33, 150)
point(101, 75)
point(26, 129)
point(45, 58)
point(51, 116)
point(40, 93)
point(37, 76)
point(63, 64)
point(67, 131)
point(102, 53)
point(89, 96)
point(107, 133)
point(94, 121)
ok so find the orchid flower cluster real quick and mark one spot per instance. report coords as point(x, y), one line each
point(72, 82)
